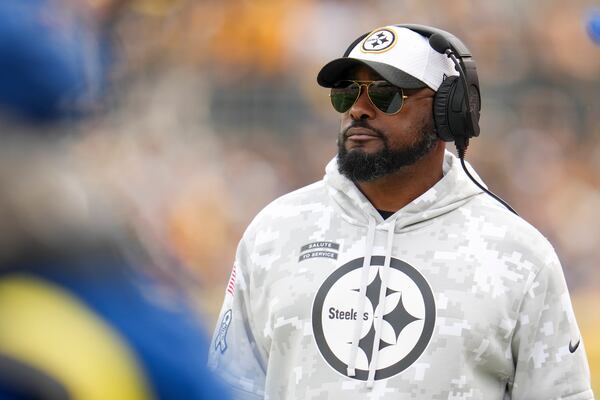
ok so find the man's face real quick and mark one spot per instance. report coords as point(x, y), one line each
point(372, 144)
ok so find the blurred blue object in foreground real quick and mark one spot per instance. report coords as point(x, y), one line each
point(53, 63)
point(593, 25)
point(83, 323)
point(85, 313)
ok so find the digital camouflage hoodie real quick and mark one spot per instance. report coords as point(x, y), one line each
point(452, 297)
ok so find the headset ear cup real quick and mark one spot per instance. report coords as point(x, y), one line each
point(441, 108)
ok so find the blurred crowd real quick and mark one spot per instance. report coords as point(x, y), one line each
point(212, 110)
point(219, 112)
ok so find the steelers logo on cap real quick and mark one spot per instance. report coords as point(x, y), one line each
point(379, 41)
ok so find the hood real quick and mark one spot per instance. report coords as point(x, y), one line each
point(452, 191)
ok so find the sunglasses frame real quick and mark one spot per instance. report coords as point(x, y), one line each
point(367, 84)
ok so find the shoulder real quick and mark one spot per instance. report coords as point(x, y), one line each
point(300, 205)
point(507, 234)
point(315, 192)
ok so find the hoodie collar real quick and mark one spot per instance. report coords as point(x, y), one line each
point(449, 193)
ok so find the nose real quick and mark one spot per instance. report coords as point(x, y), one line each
point(362, 107)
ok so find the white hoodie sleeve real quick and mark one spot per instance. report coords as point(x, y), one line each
point(550, 361)
point(233, 352)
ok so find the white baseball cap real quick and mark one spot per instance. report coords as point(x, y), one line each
point(401, 56)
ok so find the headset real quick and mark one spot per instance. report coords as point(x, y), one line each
point(457, 102)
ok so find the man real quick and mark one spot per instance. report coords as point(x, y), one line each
point(396, 277)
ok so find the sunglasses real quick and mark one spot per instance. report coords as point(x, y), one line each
point(388, 98)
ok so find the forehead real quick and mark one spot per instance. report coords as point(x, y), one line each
point(362, 73)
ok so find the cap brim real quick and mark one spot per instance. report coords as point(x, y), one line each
point(337, 70)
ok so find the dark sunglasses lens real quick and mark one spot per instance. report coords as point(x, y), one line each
point(386, 97)
point(342, 98)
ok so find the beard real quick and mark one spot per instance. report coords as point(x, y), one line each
point(359, 166)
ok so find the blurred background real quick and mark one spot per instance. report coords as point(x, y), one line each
point(199, 113)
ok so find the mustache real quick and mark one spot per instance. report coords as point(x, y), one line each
point(361, 123)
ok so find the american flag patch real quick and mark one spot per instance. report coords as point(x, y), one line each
point(231, 284)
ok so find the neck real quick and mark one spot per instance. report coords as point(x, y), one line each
point(394, 191)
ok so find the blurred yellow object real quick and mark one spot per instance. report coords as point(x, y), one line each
point(249, 34)
point(586, 308)
point(45, 327)
point(154, 7)
point(150, 7)
point(199, 229)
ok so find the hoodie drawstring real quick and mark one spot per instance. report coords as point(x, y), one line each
point(378, 318)
point(370, 239)
point(362, 295)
